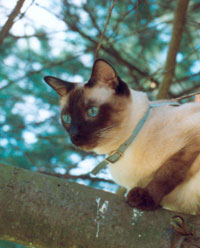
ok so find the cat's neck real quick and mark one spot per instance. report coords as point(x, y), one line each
point(135, 111)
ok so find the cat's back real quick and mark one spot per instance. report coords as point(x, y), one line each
point(167, 130)
point(171, 121)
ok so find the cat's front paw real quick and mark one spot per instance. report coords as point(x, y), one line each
point(141, 199)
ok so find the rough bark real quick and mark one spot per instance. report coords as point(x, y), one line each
point(9, 23)
point(178, 27)
point(47, 212)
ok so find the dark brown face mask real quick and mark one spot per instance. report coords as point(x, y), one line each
point(77, 115)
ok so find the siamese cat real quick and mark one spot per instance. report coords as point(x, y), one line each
point(161, 167)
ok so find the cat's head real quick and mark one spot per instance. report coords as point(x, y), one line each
point(94, 113)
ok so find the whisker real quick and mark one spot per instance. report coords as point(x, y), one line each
point(108, 133)
point(104, 130)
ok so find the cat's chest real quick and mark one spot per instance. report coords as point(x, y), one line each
point(131, 170)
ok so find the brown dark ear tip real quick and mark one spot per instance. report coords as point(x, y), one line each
point(104, 60)
point(46, 78)
point(100, 59)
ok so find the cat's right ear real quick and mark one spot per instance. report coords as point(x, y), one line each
point(104, 73)
point(60, 86)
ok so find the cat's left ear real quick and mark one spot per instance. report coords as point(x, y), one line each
point(103, 73)
point(60, 86)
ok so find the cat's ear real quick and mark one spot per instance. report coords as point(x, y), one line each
point(60, 86)
point(103, 72)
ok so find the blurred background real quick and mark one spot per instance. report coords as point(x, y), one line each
point(60, 38)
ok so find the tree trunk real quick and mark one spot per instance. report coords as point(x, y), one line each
point(178, 26)
point(47, 212)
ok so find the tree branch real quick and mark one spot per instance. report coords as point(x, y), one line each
point(48, 212)
point(178, 26)
point(9, 23)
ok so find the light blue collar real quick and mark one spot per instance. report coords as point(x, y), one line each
point(118, 153)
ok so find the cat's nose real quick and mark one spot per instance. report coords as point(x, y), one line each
point(73, 131)
point(74, 134)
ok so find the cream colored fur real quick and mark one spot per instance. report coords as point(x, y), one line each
point(99, 94)
point(165, 132)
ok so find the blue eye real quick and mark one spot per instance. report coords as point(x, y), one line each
point(93, 112)
point(67, 118)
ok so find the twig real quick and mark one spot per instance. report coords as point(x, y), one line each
point(23, 14)
point(187, 77)
point(104, 30)
point(92, 18)
point(9, 23)
point(187, 91)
